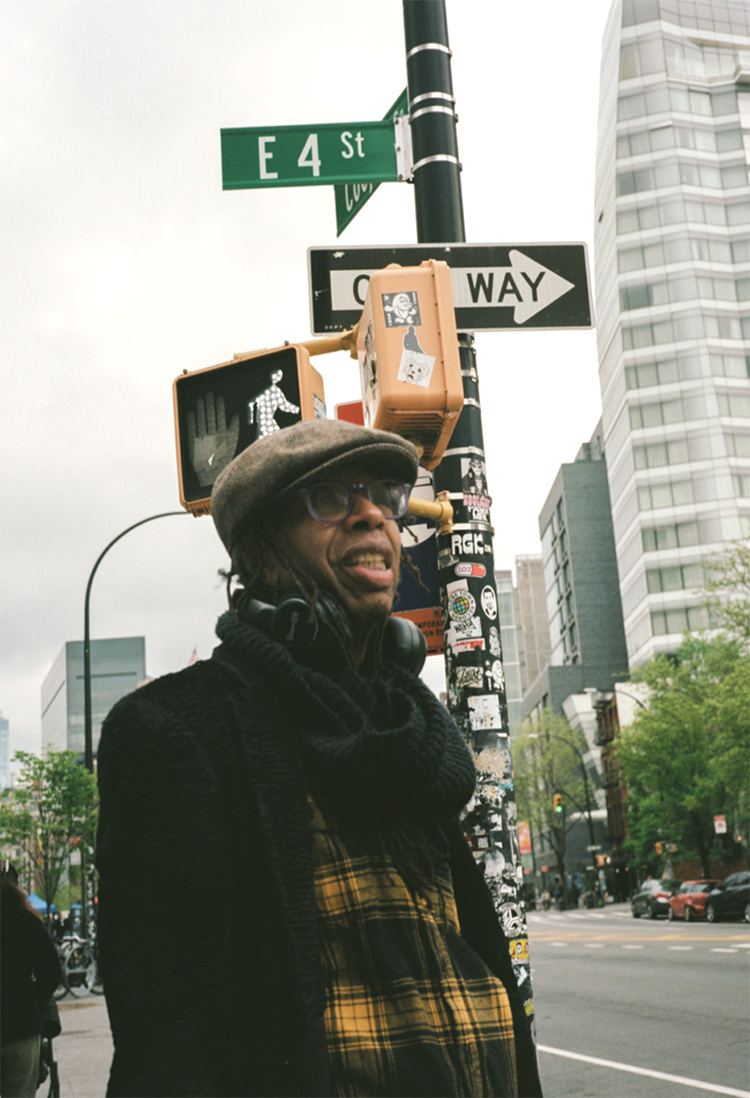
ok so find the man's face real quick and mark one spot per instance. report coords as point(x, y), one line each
point(356, 560)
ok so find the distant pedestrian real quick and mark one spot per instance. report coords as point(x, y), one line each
point(30, 973)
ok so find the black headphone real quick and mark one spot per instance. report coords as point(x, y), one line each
point(308, 631)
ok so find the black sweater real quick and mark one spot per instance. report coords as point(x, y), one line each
point(30, 972)
point(207, 920)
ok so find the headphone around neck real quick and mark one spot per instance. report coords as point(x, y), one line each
point(306, 631)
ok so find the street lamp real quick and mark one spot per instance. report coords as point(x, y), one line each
point(88, 741)
point(552, 736)
point(87, 722)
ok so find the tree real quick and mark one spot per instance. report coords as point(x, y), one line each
point(684, 758)
point(728, 592)
point(53, 802)
point(544, 765)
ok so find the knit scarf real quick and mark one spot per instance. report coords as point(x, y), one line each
point(382, 744)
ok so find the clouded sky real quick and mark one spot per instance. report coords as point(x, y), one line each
point(124, 263)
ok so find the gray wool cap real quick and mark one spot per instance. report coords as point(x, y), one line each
point(288, 459)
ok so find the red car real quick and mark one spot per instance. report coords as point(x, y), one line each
point(689, 902)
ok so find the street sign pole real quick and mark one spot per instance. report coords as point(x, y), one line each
point(471, 626)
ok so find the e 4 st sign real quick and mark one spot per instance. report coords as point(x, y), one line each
point(495, 286)
point(299, 156)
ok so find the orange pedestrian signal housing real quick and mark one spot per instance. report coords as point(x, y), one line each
point(222, 409)
point(407, 346)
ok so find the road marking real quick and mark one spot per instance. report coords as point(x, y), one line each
point(561, 945)
point(667, 1078)
point(723, 950)
point(594, 945)
point(683, 948)
point(743, 945)
point(632, 947)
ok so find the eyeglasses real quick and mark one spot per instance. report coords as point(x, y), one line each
point(331, 501)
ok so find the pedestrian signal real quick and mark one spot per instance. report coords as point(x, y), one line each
point(220, 410)
point(557, 802)
point(407, 347)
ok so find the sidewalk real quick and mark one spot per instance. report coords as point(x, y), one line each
point(84, 1048)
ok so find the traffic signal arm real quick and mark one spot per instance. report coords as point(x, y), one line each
point(347, 341)
point(439, 510)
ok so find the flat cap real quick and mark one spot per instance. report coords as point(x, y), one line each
point(290, 458)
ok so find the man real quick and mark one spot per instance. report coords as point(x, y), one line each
point(287, 903)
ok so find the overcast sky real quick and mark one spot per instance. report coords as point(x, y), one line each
point(124, 263)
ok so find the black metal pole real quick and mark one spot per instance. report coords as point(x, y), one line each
point(572, 746)
point(473, 656)
point(87, 721)
point(88, 738)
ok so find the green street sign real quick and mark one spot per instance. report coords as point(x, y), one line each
point(351, 197)
point(301, 156)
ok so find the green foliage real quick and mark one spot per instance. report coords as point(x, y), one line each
point(53, 802)
point(728, 592)
point(684, 758)
point(546, 761)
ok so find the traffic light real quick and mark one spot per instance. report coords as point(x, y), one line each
point(222, 409)
point(407, 347)
point(658, 847)
point(557, 803)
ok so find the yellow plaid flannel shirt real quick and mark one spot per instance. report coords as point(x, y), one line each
point(411, 1009)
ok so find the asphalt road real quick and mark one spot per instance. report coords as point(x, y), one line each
point(624, 1008)
point(666, 1006)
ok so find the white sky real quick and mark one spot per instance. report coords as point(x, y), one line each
point(124, 263)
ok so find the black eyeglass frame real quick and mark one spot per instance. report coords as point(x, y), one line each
point(352, 491)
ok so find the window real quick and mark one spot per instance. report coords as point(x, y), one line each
point(730, 365)
point(669, 494)
point(741, 485)
point(679, 577)
point(723, 327)
point(738, 445)
point(672, 452)
point(662, 372)
point(677, 536)
point(734, 404)
point(738, 213)
point(656, 414)
point(679, 620)
point(734, 176)
point(729, 139)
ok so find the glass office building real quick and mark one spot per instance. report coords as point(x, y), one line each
point(673, 301)
point(118, 666)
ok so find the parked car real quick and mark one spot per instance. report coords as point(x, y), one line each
point(652, 898)
point(730, 899)
point(689, 901)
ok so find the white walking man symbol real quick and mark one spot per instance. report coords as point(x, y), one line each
point(265, 406)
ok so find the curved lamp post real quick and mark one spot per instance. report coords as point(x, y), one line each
point(87, 726)
point(552, 736)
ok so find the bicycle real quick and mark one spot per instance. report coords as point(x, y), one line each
point(80, 971)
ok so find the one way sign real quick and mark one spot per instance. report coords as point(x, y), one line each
point(495, 286)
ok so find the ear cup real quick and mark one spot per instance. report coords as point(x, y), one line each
point(404, 643)
point(295, 624)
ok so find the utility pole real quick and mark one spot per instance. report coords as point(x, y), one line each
point(473, 657)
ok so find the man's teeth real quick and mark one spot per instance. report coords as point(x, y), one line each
point(369, 560)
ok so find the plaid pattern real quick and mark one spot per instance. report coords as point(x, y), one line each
point(411, 1009)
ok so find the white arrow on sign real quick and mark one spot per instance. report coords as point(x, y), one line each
point(526, 286)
